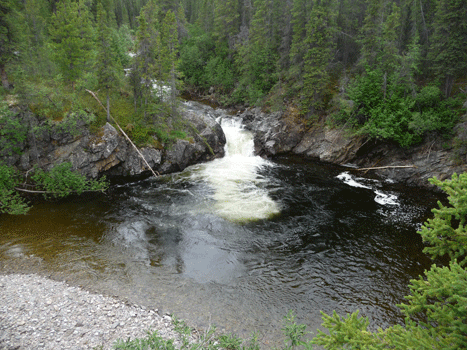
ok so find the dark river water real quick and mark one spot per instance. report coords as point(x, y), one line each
point(237, 242)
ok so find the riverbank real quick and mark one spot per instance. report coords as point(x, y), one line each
point(282, 133)
point(40, 313)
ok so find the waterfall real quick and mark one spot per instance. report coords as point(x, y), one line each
point(240, 191)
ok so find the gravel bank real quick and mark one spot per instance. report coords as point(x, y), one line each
point(39, 313)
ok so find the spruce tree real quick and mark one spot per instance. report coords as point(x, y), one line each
point(10, 40)
point(448, 50)
point(107, 67)
point(168, 61)
point(300, 14)
point(71, 35)
point(148, 46)
point(257, 56)
point(319, 43)
point(226, 24)
point(436, 308)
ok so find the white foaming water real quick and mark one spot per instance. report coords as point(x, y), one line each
point(381, 198)
point(240, 193)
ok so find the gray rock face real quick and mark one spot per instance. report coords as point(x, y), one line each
point(277, 134)
point(108, 151)
point(273, 134)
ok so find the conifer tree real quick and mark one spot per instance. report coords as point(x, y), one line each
point(436, 309)
point(36, 58)
point(168, 61)
point(71, 33)
point(448, 50)
point(371, 33)
point(258, 56)
point(226, 24)
point(108, 68)
point(319, 43)
point(204, 15)
point(9, 37)
point(311, 51)
point(300, 14)
point(147, 51)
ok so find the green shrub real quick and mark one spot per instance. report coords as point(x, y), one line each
point(61, 181)
point(436, 312)
point(10, 200)
point(385, 108)
point(12, 131)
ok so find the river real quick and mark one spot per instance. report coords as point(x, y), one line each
point(236, 242)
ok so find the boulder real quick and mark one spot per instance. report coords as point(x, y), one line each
point(109, 152)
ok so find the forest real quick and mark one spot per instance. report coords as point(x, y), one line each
point(392, 70)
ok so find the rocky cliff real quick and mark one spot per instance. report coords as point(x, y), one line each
point(106, 151)
point(279, 134)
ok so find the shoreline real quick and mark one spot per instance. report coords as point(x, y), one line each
point(40, 313)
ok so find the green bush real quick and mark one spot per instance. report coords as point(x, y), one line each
point(436, 311)
point(385, 108)
point(12, 131)
point(61, 181)
point(10, 200)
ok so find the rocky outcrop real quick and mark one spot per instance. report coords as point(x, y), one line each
point(107, 151)
point(278, 133)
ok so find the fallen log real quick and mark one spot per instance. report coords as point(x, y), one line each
point(124, 134)
point(387, 167)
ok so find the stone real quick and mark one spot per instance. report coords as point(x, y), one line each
point(107, 152)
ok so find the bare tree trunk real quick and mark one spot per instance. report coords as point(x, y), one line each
point(108, 106)
point(5, 83)
point(385, 83)
point(449, 82)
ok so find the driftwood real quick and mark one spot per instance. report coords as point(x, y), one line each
point(124, 134)
point(388, 167)
point(48, 192)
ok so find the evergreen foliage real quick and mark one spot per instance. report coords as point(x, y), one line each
point(10, 201)
point(386, 108)
point(270, 53)
point(10, 37)
point(448, 50)
point(436, 309)
point(71, 35)
point(108, 67)
point(446, 232)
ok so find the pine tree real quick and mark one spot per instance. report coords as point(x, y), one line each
point(311, 51)
point(448, 52)
point(168, 61)
point(9, 37)
point(148, 46)
point(436, 309)
point(371, 33)
point(226, 24)
point(72, 39)
point(300, 14)
point(258, 55)
point(108, 68)
point(319, 43)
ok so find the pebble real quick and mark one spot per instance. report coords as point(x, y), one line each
point(40, 313)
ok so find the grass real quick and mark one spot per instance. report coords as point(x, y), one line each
point(211, 340)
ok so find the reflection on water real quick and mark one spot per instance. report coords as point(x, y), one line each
point(238, 252)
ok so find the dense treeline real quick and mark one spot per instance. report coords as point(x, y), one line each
point(53, 52)
point(393, 69)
